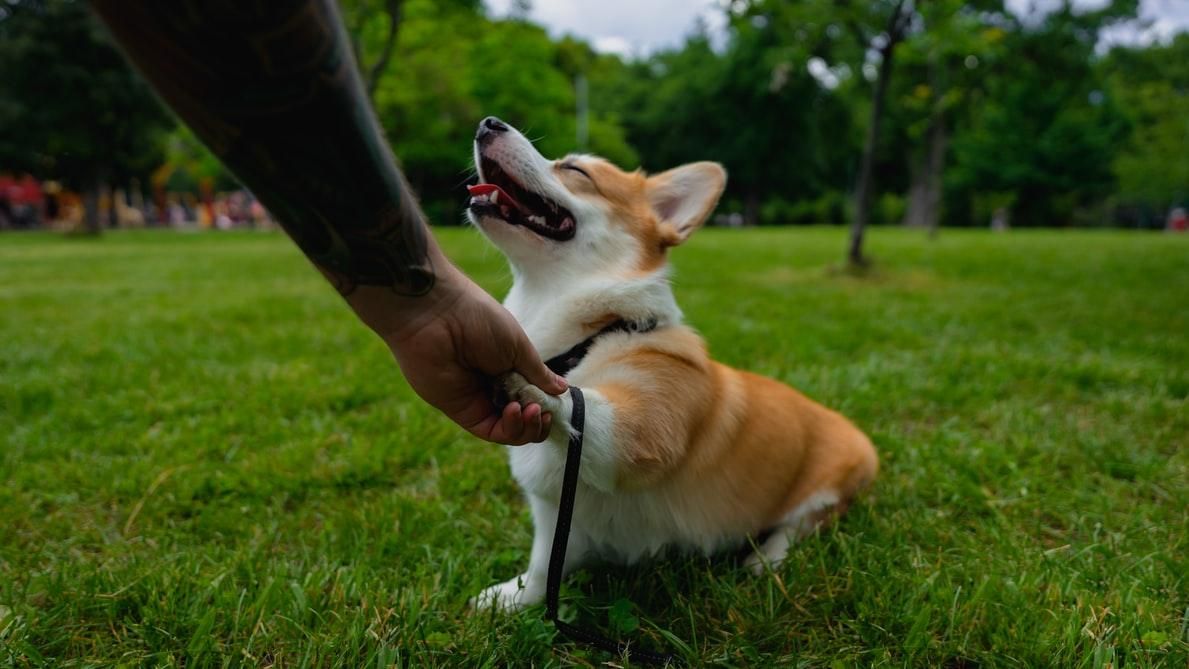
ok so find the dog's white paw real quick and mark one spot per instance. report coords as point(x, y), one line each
point(507, 596)
point(771, 553)
point(520, 390)
point(758, 563)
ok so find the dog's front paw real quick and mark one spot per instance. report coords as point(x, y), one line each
point(507, 596)
point(520, 390)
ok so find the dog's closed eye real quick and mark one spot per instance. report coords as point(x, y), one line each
point(575, 168)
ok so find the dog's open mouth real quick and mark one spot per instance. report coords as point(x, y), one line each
point(500, 196)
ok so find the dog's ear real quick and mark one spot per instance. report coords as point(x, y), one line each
point(683, 198)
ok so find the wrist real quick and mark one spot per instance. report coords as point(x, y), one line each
point(394, 316)
point(413, 314)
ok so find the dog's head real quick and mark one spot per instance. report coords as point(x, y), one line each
point(581, 213)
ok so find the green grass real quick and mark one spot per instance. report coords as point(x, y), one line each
point(205, 460)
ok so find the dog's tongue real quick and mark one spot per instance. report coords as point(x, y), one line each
point(485, 189)
point(495, 194)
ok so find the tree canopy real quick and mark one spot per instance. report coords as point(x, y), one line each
point(822, 110)
point(70, 107)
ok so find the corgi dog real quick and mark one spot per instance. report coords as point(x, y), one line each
point(680, 451)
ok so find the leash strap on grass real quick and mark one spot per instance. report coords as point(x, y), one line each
point(561, 537)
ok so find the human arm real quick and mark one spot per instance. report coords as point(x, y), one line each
point(272, 89)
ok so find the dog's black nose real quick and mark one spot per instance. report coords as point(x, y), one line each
point(490, 127)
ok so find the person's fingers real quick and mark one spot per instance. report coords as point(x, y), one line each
point(546, 423)
point(514, 426)
point(519, 427)
point(513, 422)
point(482, 420)
point(532, 422)
point(529, 364)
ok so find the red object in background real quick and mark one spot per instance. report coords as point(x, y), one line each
point(25, 190)
point(29, 191)
point(1178, 221)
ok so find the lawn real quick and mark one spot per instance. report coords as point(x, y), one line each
point(206, 461)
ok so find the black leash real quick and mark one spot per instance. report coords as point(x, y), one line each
point(561, 537)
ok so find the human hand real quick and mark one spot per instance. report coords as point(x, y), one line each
point(453, 349)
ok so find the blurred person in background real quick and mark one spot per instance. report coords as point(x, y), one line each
point(7, 221)
point(1177, 220)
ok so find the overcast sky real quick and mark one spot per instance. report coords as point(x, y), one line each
point(642, 26)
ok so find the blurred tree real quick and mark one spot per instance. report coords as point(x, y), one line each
point(426, 107)
point(515, 78)
point(943, 66)
point(875, 30)
point(878, 28)
point(606, 134)
point(792, 124)
point(1042, 139)
point(374, 26)
point(521, 9)
point(458, 66)
point(72, 108)
point(1151, 86)
point(754, 107)
point(668, 104)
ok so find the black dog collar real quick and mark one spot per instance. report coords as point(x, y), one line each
point(564, 363)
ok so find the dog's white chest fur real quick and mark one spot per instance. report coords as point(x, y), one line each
point(620, 526)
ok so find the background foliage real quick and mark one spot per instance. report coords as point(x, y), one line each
point(983, 109)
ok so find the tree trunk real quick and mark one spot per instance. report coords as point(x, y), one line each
point(751, 207)
point(924, 195)
point(108, 217)
point(395, 9)
point(916, 210)
point(866, 177)
point(898, 23)
point(937, 147)
point(91, 209)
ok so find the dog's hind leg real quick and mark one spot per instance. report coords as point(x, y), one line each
point(798, 523)
point(825, 492)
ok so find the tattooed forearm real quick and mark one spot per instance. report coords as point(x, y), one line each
point(270, 86)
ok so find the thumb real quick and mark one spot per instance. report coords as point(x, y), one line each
point(528, 363)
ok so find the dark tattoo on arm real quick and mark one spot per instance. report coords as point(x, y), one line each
point(271, 87)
